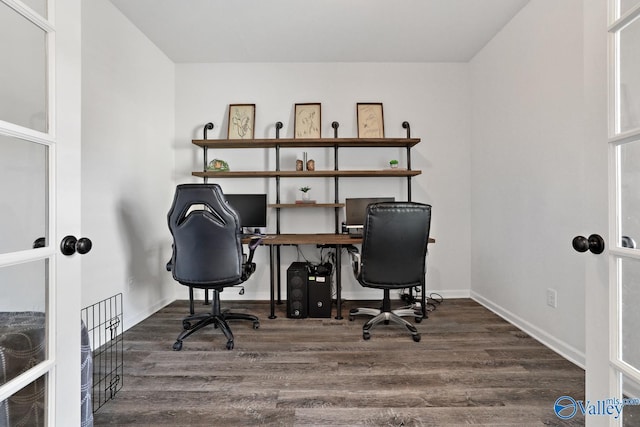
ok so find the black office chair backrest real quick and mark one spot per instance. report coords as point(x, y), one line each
point(394, 245)
point(207, 246)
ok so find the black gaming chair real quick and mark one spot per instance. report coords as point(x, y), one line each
point(207, 254)
point(394, 249)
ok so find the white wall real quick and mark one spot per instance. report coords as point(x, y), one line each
point(527, 173)
point(127, 163)
point(434, 98)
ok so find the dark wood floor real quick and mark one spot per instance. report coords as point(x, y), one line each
point(471, 367)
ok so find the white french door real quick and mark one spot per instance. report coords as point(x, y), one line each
point(39, 156)
point(624, 253)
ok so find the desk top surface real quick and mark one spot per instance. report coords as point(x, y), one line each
point(312, 239)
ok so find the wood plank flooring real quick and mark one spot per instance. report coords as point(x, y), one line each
point(471, 367)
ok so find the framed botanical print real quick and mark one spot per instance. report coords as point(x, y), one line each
point(307, 122)
point(370, 120)
point(242, 119)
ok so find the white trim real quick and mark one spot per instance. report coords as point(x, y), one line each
point(624, 20)
point(16, 131)
point(28, 255)
point(24, 379)
point(625, 138)
point(30, 14)
point(627, 370)
point(623, 252)
point(568, 352)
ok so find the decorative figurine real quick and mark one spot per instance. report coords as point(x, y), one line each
point(218, 165)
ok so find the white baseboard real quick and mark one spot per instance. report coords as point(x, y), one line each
point(131, 321)
point(568, 352)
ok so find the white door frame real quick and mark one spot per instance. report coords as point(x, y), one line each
point(68, 184)
point(62, 365)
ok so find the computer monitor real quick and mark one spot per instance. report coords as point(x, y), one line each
point(356, 209)
point(252, 210)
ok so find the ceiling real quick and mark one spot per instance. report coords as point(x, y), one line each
point(320, 30)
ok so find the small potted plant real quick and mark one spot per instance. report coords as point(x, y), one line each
point(305, 192)
point(393, 163)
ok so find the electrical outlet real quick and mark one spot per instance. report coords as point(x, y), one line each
point(552, 298)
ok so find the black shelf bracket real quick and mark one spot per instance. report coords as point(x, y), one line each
point(207, 127)
point(407, 126)
point(335, 126)
point(278, 127)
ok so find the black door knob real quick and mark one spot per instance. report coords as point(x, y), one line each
point(595, 244)
point(40, 242)
point(71, 245)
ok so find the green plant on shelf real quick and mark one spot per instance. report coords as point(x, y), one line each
point(393, 163)
point(305, 189)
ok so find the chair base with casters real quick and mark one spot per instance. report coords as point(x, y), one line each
point(217, 317)
point(386, 315)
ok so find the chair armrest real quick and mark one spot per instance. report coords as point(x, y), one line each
point(249, 266)
point(169, 265)
point(355, 259)
point(252, 245)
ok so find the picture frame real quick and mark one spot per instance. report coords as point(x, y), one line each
point(242, 118)
point(370, 120)
point(307, 121)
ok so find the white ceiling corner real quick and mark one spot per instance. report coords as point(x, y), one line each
point(195, 31)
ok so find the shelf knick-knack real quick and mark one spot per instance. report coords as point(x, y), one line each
point(306, 195)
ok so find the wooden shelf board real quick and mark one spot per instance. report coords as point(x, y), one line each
point(306, 205)
point(309, 174)
point(308, 143)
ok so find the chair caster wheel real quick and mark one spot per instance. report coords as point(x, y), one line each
point(416, 337)
point(386, 322)
point(418, 319)
point(186, 325)
point(177, 346)
point(366, 336)
point(229, 345)
point(256, 325)
point(351, 318)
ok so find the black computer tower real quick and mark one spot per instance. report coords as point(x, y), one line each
point(297, 283)
point(319, 289)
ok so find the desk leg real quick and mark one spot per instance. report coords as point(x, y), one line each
point(423, 300)
point(279, 275)
point(338, 282)
point(272, 281)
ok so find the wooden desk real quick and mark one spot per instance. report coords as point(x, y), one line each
point(337, 240)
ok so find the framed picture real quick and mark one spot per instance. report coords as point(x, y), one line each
point(370, 120)
point(307, 122)
point(242, 119)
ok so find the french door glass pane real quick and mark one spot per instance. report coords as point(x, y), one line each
point(630, 315)
point(23, 318)
point(23, 184)
point(23, 97)
point(631, 411)
point(630, 77)
point(26, 407)
point(625, 5)
point(629, 195)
